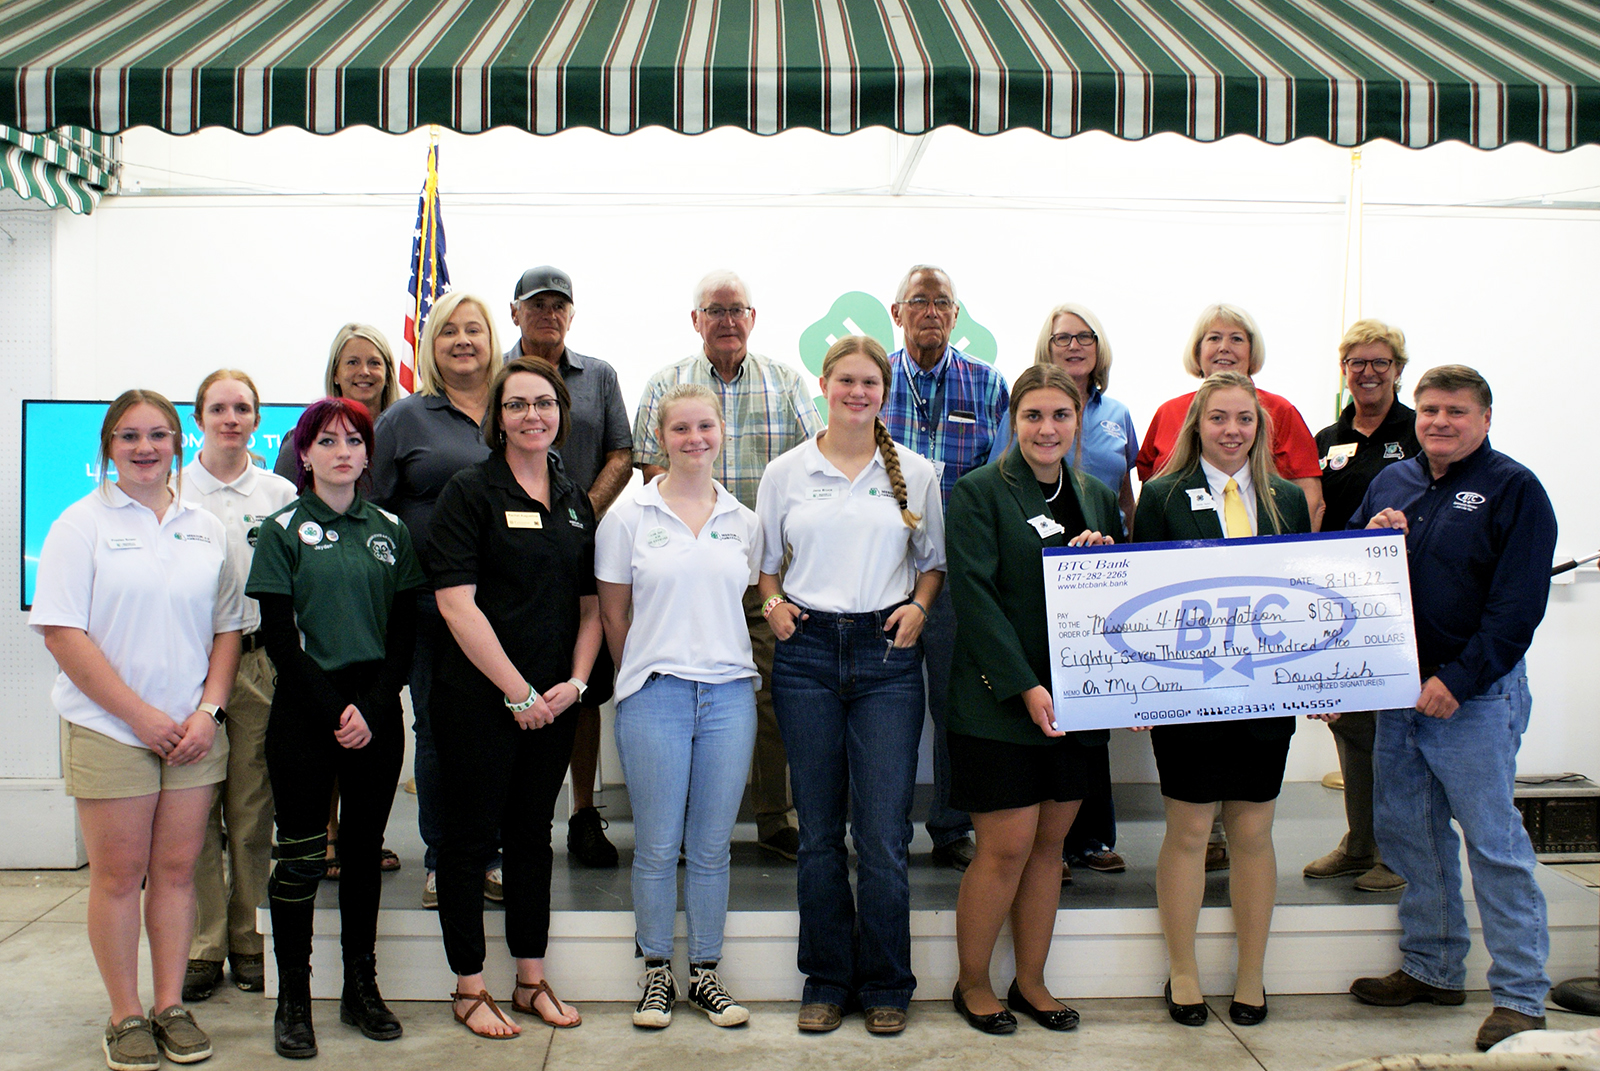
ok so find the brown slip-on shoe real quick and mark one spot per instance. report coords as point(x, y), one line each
point(819, 1018)
point(1337, 864)
point(179, 1037)
point(1216, 857)
point(1399, 989)
point(885, 1020)
point(131, 1045)
point(1380, 879)
point(1502, 1023)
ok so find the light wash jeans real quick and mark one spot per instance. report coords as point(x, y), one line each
point(850, 708)
point(1428, 771)
point(685, 750)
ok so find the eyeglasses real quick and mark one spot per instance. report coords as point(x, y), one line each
point(732, 312)
point(517, 407)
point(1082, 338)
point(1377, 364)
point(921, 304)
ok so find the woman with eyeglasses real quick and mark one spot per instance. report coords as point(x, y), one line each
point(1072, 340)
point(511, 553)
point(139, 608)
point(1225, 338)
point(1375, 430)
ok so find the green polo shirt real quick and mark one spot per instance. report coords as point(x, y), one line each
point(343, 571)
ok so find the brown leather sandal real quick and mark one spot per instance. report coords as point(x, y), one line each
point(479, 999)
point(529, 1007)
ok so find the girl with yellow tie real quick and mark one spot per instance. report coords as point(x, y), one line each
point(1219, 482)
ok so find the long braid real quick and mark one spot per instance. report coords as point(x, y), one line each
point(891, 464)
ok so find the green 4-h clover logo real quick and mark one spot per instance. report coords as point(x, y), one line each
point(858, 313)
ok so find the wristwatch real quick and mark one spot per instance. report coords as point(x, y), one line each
point(218, 715)
point(580, 685)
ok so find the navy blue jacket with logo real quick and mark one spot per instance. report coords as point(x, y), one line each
point(1480, 541)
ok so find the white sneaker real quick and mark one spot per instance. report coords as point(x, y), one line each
point(654, 1009)
point(492, 887)
point(707, 993)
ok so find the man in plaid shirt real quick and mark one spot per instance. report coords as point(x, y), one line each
point(767, 410)
point(954, 411)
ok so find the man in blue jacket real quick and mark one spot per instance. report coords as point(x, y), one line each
point(1480, 535)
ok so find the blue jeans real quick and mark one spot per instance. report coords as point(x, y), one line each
point(850, 709)
point(685, 750)
point(945, 824)
point(1428, 771)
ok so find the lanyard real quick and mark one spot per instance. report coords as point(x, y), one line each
point(925, 410)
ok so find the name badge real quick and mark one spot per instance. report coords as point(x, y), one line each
point(1200, 499)
point(516, 518)
point(1046, 526)
point(823, 494)
point(961, 416)
point(123, 543)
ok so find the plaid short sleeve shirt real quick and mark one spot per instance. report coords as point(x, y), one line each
point(767, 408)
point(955, 413)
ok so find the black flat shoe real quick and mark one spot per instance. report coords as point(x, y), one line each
point(1184, 1014)
point(1000, 1022)
point(1062, 1018)
point(1248, 1014)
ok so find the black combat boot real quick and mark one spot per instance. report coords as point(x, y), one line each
point(361, 1005)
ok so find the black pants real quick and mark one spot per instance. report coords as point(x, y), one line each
point(303, 761)
point(495, 779)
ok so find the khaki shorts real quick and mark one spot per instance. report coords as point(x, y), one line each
point(96, 767)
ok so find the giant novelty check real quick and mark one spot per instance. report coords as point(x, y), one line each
point(1157, 633)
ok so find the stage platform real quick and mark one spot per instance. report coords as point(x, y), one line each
point(1108, 935)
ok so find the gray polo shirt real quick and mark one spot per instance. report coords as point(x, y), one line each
point(418, 444)
point(599, 419)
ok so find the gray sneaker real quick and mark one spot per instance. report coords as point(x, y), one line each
point(130, 1046)
point(179, 1036)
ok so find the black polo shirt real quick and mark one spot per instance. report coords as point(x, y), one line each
point(530, 565)
point(1345, 476)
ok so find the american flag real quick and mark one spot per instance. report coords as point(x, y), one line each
point(429, 277)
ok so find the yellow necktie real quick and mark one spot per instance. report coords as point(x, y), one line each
point(1233, 511)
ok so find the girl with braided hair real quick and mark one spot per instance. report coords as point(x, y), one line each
point(859, 519)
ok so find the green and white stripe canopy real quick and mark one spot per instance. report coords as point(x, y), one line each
point(1486, 72)
point(69, 168)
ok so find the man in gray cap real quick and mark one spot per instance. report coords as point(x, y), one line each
point(597, 454)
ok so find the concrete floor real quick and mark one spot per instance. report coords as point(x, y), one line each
point(55, 1010)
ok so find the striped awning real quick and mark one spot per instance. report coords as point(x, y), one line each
point(69, 168)
point(1486, 72)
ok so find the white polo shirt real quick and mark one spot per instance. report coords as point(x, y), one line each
point(688, 613)
point(1217, 483)
point(241, 506)
point(852, 551)
point(151, 595)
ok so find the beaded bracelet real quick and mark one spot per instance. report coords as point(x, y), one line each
point(768, 606)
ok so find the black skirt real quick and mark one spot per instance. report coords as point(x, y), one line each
point(996, 775)
point(1227, 760)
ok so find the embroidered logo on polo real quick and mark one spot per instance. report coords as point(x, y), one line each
point(572, 518)
point(310, 533)
point(728, 535)
point(190, 537)
point(382, 548)
point(1113, 429)
point(1468, 500)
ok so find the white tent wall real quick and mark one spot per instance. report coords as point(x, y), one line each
point(250, 252)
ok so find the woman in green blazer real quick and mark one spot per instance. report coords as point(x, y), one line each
point(1219, 482)
point(1020, 776)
